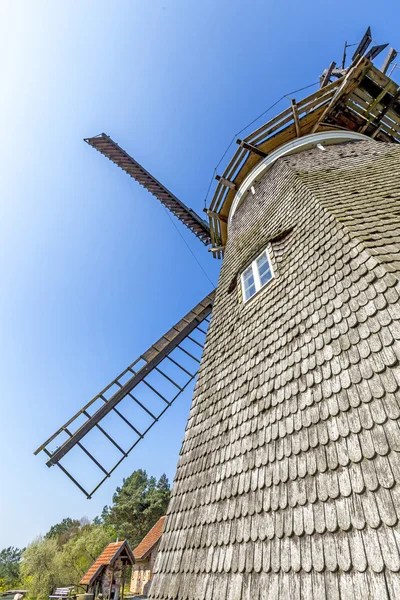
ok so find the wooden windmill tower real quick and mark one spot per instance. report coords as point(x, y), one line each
point(288, 483)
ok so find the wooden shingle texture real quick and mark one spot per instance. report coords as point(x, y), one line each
point(288, 483)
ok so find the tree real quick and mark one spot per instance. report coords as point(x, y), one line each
point(40, 569)
point(47, 564)
point(70, 547)
point(82, 550)
point(137, 506)
point(64, 531)
point(10, 559)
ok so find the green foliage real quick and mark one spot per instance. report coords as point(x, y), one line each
point(47, 564)
point(10, 559)
point(137, 506)
point(40, 568)
point(69, 548)
point(81, 551)
point(64, 531)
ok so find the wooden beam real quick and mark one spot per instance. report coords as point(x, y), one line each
point(217, 249)
point(226, 182)
point(251, 148)
point(377, 130)
point(327, 74)
point(344, 55)
point(296, 117)
point(389, 59)
point(215, 215)
point(123, 579)
point(111, 580)
point(377, 122)
point(373, 104)
point(350, 82)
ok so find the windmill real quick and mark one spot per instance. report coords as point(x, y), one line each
point(288, 482)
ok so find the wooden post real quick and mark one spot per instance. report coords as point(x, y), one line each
point(388, 60)
point(327, 75)
point(252, 148)
point(349, 83)
point(226, 182)
point(123, 579)
point(344, 55)
point(215, 215)
point(296, 117)
point(111, 582)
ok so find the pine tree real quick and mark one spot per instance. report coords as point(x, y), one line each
point(137, 506)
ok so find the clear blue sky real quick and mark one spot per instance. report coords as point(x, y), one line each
point(92, 269)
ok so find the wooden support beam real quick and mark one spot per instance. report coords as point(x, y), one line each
point(111, 582)
point(371, 107)
point(226, 182)
point(296, 117)
point(375, 133)
point(123, 579)
point(217, 249)
point(389, 59)
point(344, 55)
point(327, 74)
point(214, 215)
point(379, 118)
point(251, 148)
point(350, 82)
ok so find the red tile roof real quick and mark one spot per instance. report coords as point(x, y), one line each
point(149, 540)
point(107, 557)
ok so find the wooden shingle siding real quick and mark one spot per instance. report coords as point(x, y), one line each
point(363, 181)
point(288, 483)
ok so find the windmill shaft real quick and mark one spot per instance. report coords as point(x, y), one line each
point(104, 144)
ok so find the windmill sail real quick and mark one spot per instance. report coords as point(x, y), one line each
point(173, 359)
point(104, 144)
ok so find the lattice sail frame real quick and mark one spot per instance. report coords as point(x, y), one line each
point(106, 146)
point(138, 372)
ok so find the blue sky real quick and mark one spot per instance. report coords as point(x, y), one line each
point(92, 269)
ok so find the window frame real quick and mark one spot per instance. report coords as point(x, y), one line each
point(256, 275)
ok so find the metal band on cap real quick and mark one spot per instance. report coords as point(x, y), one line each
point(295, 146)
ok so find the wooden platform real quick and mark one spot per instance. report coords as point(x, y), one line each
point(364, 100)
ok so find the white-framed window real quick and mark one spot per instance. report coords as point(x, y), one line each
point(256, 275)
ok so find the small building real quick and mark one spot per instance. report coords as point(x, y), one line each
point(107, 574)
point(145, 555)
